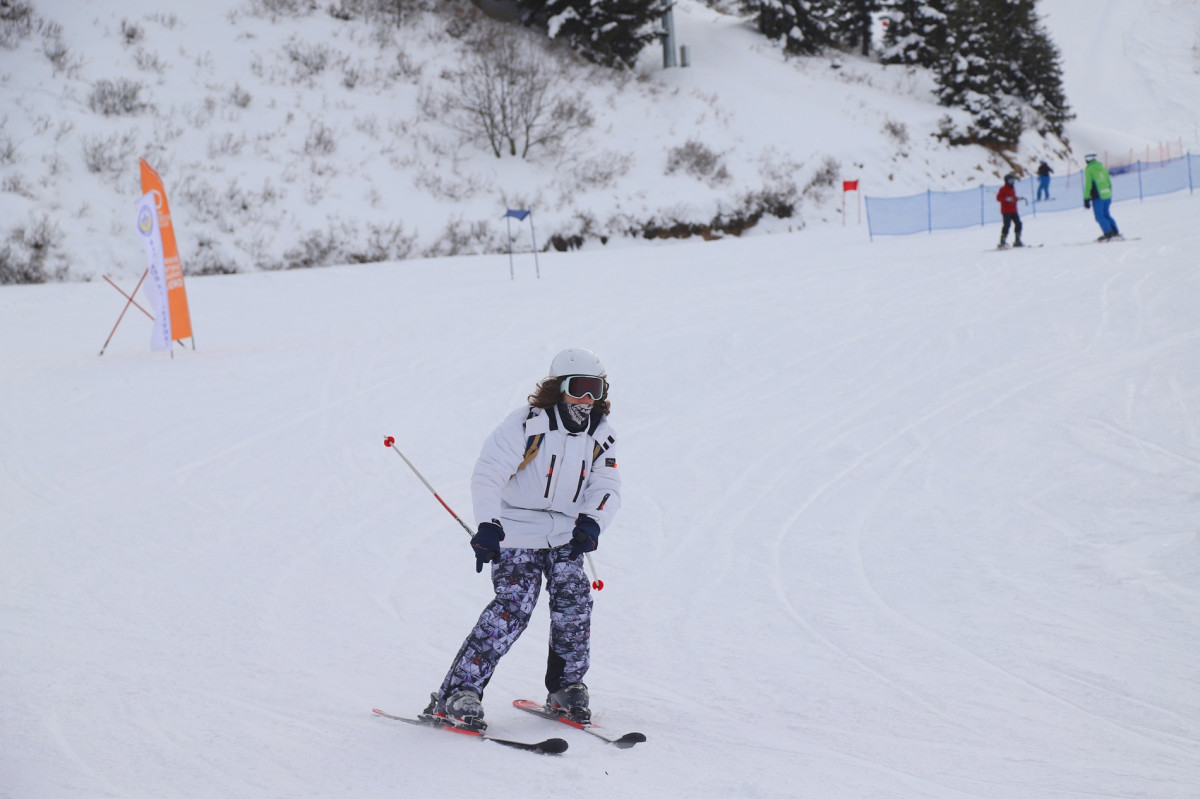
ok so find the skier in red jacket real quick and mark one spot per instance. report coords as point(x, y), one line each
point(1007, 197)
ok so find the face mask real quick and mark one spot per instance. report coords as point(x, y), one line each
point(578, 413)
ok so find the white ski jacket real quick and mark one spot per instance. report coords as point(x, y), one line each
point(534, 477)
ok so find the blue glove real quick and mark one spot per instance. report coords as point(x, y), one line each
point(586, 536)
point(486, 544)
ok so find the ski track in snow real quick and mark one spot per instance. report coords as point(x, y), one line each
point(939, 510)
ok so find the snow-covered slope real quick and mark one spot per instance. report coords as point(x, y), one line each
point(903, 519)
point(287, 140)
point(1131, 71)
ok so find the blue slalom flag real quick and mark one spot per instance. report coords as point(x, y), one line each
point(517, 214)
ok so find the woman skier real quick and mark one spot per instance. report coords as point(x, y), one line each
point(544, 487)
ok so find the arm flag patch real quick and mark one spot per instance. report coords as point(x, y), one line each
point(610, 462)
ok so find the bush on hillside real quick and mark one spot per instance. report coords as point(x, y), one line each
point(24, 256)
point(120, 97)
point(509, 100)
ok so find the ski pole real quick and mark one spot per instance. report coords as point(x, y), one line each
point(390, 443)
point(597, 583)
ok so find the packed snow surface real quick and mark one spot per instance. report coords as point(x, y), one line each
point(911, 518)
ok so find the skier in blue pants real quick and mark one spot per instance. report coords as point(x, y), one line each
point(1097, 194)
point(1043, 189)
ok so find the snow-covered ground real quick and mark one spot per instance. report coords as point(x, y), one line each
point(903, 519)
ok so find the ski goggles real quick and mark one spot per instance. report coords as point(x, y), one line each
point(580, 386)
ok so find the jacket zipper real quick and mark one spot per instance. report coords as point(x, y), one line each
point(582, 474)
point(550, 474)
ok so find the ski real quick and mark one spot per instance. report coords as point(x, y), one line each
point(1022, 247)
point(538, 709)
point(1104, 241)
point(550, 746)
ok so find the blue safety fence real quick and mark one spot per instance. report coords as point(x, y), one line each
point(946, 210)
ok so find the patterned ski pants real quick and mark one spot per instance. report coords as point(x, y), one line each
point(517, 579)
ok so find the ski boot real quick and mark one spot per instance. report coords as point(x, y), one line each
point(462, 708)
point(571, 701)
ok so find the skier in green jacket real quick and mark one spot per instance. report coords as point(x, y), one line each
point(1097, 194)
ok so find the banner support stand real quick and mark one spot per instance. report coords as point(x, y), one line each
point(129, 300)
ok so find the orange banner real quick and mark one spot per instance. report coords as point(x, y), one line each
point(181, 321)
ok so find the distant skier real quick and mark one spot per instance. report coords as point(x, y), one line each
point(545, 484)
point(1007, 197)
point(1097, 195)
point(1043, 173)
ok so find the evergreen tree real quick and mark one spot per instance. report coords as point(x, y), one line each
point(803, 25)
point(999, 64)
point(1037, 73)
point(607, 32)
point(851, 22)
point(917, 32)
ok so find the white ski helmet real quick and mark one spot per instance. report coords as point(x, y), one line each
point(576, 361)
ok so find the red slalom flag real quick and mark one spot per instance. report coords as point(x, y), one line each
point(849, 185)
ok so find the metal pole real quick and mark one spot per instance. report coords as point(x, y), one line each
point(508, 224)
point(533, 239)
point(669, 40)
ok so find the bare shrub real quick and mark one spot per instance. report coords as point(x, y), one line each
point(15, 184)
point(121, 97)
point(697, 159)
point(601, 170)
point(227, 144)
point(282, 8)
point(149, 62)
point(896, 131)
point(403, 67)
point(507, 98)
point(239, 96)
point(131, 32)
point(388, 11)
point(8, 148)
point(321, 140)
point(453, 188)
point(386, 242)
point(24, 255)
point(108, 155)
point(57, 52)
point(168, 21)
point(368, 126)
point(462, 238)
point(309, 60)
point(825, 177)
point(316, 248)
point(209, 257)
point(16, 22)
